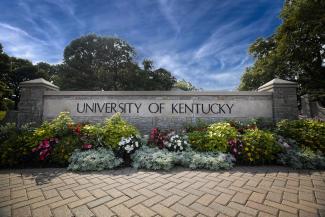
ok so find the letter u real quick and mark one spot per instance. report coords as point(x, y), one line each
point(78, 108)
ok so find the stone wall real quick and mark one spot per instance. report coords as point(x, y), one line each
point(148, 109)
point(41, 101)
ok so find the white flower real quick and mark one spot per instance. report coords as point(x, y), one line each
point(136, 144)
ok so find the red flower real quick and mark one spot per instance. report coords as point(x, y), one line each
point(87, 146)
point(77, 130)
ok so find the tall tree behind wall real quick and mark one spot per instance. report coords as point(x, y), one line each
point(296, 51)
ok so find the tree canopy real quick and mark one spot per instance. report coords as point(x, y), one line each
point(94, 62)
point(13, 71)
point(296, 51)
point(185, 85)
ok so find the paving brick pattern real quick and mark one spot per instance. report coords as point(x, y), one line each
point(242, 191)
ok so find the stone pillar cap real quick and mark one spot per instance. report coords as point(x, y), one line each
point(39, 82)
point(277, 82)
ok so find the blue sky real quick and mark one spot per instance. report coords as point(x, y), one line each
point(202, 41)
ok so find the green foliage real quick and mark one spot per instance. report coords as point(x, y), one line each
point(5, 92)
point(218, 136)
point(294, 52)
point(14, 71)
point(93, 134)
point(161, 159)
point(61, 128)
point(93, 160)
point(112, 68)
point(58, 127)
point(198, 140)
point(185, 85)
point(259, 147)
point(2, 115)
point(82, 70)
point(214, 139)
point(63, 150)
point(115, 128)
point(307, 132)
point(14, 146)
point(260, 123)
point(302, 159)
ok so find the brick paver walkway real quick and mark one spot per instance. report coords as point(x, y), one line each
point(243, 191)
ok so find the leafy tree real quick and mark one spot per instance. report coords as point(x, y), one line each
point(185, 85)
point(161, 79)
point(4, 93)
point(295, 52)
point(156, 79)
point(93, 63)
point(47, 70)
point(16, 70)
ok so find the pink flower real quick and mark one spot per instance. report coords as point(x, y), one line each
point(46, 143)
point(87, 146)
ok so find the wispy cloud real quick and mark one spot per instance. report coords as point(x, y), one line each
point(204, 42)
point(167, 9)
point(21, 43)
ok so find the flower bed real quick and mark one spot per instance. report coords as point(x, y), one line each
point(115, 143)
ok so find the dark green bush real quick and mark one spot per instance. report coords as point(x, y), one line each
point(198, 140)
point(258, 147)
point(307, 133)
point(15, 144)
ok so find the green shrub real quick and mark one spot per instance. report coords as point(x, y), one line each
point(15, 145)
point(93, 160)
point(302, 159)
point(258, 146)
point(215, 138)
point(307, 132)
point(218, 136)
point(198, 140)
point(115, 128)
point(2, 115)
point(65, 131)
point(58, 127)
point(260, 123)
point(161, 159)
point(63, 150)
point(93, 134)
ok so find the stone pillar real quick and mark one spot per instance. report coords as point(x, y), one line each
point(305, 106)
point(285, 104)
point(30, 107)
